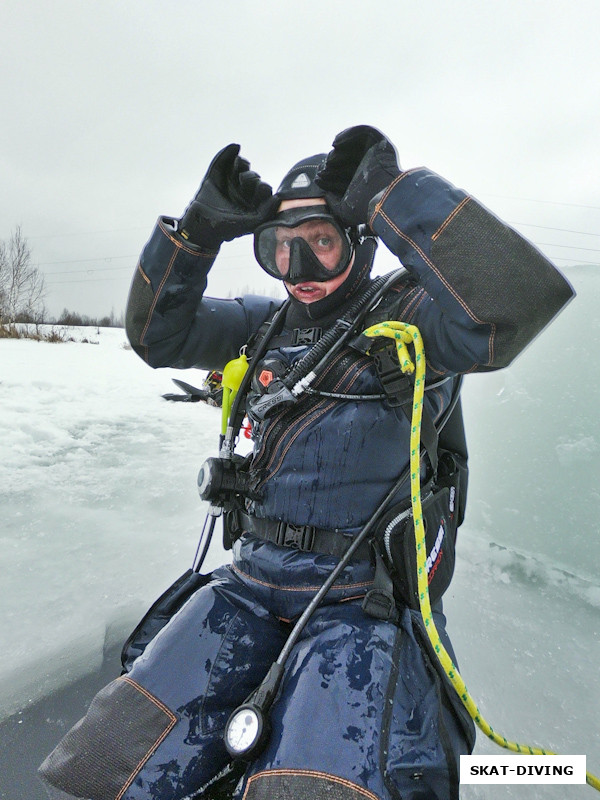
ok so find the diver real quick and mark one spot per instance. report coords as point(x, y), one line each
point(361, 710)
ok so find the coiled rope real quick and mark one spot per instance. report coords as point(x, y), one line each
point(404, 335)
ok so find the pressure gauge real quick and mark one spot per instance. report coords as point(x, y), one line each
point(246, 732)
point(211, 479)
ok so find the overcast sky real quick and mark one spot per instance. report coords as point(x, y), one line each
point(112, 110)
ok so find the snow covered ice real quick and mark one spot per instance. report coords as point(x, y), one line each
point(100, 512)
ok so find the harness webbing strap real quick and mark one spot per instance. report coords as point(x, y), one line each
point(301, 537)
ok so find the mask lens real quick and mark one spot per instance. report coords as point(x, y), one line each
point(317, 247)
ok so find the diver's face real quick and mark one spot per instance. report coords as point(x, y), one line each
point(321, 236)
point(324, 243)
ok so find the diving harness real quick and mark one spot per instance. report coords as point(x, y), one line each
point(224, 481)
point(247, 729)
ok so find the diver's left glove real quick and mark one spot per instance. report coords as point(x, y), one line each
point(363, 163)
point(232, 201)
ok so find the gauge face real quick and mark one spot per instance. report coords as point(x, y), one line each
point(243, 730)
point(205, 479)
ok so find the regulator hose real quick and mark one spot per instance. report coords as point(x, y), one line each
point(300, 375)
point(304, 372)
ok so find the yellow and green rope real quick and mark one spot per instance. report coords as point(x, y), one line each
point(404, 335)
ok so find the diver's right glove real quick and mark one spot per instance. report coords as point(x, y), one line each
point(362, 163)
point(231, 201)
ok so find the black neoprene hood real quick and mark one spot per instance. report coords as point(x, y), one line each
point(299, 182)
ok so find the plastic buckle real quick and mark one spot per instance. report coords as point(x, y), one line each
point(300, 537)
point(380, 605)
point(396, 384)
point(306, 336)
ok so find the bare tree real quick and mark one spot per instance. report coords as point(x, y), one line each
point(22, 287)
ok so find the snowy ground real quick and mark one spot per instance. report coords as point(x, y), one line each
point(100, 513)
point(99, 501)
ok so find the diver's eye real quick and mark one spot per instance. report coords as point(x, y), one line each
point(324, 242)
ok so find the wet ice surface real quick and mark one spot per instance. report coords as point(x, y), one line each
point(99, 502)
point(100, 513)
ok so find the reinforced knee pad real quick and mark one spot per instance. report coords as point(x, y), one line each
point(299, 784)
point(101, 755)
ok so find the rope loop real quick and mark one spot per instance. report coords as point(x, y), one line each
point(405, 334)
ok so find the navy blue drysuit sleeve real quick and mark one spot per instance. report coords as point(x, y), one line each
point(482, 291)
point(170, 323)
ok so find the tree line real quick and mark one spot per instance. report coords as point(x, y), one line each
point(23, 291)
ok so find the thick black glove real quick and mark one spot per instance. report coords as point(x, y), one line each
point(362, 163)
point(231, 201)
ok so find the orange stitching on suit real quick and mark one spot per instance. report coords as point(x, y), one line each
point(149, 696)
point(142, 273)
point(408, 315)
point(409, 310)
point(310, 416)
point(459, 299)
point(308, 421)
point(172, 721)
point(303, 416)
point(416, 300)
point(181, 245)
point(449, 219)
point(430, 263)
point(147, 280)
point(354, 596)
point(311, 420)
point(450, 288)
point(394, 183)
point(358, 370)
point(440, 372)
point(158, 291)
point(298, 588)
point(313, 774)
point(316, 412)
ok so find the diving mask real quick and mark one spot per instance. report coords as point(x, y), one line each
point(303, 244)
